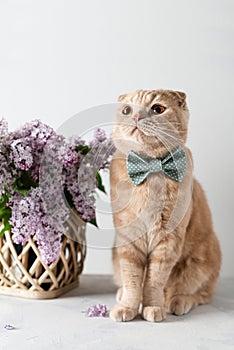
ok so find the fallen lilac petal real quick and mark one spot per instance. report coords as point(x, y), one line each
point(98, 310)
point(9, 327)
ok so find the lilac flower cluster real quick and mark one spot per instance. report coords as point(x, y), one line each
point(42, 174)
point(101, 150)
point(82, 190)
point(29, 215)
point(81, 181)
point(7, 173)
point(3, 128)
point(26, 145)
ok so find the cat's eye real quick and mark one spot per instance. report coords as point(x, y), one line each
point(127, 110)
point(158, 109)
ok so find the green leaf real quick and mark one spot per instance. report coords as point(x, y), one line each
point(6, 227)
point(18, 183)
point(93, 222)
point(3, 200)
point(5, 213)
point(100, 185)
point(25, 182)
point(83, 149)
point(23, 192)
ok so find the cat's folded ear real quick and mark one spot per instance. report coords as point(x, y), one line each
point(121, 97)
point(180, 98)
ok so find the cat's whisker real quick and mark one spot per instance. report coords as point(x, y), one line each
point(170, 142)
point(154, 130)
point(178, 139)
point(164, 141)
point(169, 131)
point(169, 145)
point(168, 138)
point(167, 123)
point(160, 123)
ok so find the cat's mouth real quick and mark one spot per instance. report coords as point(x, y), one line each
point(137, 129)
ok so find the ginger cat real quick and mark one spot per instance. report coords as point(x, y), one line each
point(165, 271)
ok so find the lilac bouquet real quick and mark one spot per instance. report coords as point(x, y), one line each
point(42, 176)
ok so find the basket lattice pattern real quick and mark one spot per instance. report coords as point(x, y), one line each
point(23, 273)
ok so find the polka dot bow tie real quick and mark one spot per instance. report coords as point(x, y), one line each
point(172, 165)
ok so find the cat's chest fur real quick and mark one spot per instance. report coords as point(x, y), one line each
point(138, 210)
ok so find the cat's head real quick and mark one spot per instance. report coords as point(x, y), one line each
point(151, 122)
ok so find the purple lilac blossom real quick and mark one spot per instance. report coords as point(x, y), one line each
point(7, 176)
point(99, 136)
point(81, 182)
point(26, 145)
point(84, 202)
point(21, 154)
point(30, 218)
point(3, 128)
point(101, 153)
point(98, 310)
point(68, 155)
point(7, 173)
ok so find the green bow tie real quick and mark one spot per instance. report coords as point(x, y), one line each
point(173, 165)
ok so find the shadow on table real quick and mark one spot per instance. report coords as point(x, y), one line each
point(104, 285)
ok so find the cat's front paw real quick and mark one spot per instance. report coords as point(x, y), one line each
point(122, 314)
point(154, 313)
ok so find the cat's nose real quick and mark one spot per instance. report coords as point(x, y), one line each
point(137, 117)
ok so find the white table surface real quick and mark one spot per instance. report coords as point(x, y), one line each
point(60, 323)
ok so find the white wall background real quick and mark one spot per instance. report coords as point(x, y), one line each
point(60, 57)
